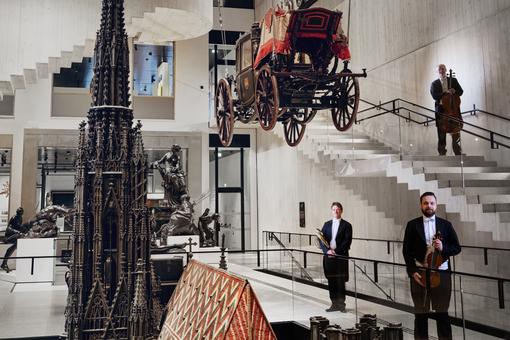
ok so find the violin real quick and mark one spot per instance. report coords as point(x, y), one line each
point(433, 260)
point(451, 108)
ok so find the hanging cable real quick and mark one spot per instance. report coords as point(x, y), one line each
point(223, 34)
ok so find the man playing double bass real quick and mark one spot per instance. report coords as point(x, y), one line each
point(429, 234)
point(441, 89)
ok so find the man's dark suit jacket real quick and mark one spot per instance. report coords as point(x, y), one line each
point(415, 246)
point(343, 244)
point(436, 90)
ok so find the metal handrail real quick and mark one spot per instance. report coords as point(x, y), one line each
point(395, 110)
point(304, 273)
point(378, 240)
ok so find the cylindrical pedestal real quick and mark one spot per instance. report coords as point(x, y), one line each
point(393, 332)
point(333, 332)
point(351, 334)
point(317, 325)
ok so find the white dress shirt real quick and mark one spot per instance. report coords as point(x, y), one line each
point(444, 83)
point(335, 224)
point(429, 225)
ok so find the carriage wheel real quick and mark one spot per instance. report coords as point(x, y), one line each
point(266, 98)
point(294, 126)
point(224, 113)
point(347, 100)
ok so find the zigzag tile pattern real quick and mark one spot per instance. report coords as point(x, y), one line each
point(249, 321)
point(212, 304)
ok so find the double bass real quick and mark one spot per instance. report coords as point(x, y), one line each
point(451, 109)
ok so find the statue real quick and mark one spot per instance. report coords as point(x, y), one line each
point(207, 234)
point(44, 224)
point(181, 221)
point(15, 230)
point(176, 194)
point(174, 180)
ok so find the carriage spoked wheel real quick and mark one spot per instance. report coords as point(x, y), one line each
point(224, 112)
point(266, 98)
point(294, 126)
point(346, 99)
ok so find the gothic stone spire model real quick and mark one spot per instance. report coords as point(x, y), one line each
point(111, 293)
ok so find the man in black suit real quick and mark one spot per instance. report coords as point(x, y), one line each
point(338, 234)
point(418, 240)
point(438, 89)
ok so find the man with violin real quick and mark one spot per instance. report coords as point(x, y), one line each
point(446, 92)
point(428, 243)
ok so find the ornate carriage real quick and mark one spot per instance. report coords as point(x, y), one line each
point(286, 70)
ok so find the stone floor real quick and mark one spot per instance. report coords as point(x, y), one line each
point(40, 313)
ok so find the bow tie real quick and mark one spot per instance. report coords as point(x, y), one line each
point(427, 219)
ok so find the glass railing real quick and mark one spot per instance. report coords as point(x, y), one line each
point(488, 259)
point(478, 303)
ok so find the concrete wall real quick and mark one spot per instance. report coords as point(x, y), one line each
point(286, 177)
point(401, 45)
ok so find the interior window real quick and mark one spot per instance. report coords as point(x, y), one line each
point(246, 54)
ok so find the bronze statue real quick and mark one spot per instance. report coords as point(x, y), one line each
point(181, 221)
point(44, 224)
point(174, 180)
point(15, 230)
point(207, 234)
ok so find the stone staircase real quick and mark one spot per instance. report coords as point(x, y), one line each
point(23, 64)
point(480, 210)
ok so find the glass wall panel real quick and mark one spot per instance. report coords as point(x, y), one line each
point(153, 70)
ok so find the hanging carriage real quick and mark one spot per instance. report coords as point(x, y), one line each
point(286, 70)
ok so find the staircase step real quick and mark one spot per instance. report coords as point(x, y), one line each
point(477, 183)
point(359, 146)
point(457, 170)
point(496, 207)
point(77, 53)
point(6, 88)
point(504, 217)
point(30, 76)
point(481, 191)
point(53, 65)
point(332, 133)
point(338, 139)
point(66, 58)
point(468, 176)
point(18, 81)
point(441, 158)
point(356, 156)
point(447, 163)
point(349, 151)
point(42, 70)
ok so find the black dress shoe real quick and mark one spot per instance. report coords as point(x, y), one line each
point(6, 268)
point(335, 308)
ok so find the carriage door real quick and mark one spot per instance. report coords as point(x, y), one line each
point(228, 166)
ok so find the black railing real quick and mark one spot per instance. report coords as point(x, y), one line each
point(405, 109)
point(310, 239)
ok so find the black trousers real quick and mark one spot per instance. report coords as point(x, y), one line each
point(432, 302)
point(334, 272)
point(441, 143)
point(9, 252)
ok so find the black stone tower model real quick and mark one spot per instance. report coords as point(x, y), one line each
point(111, 290)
